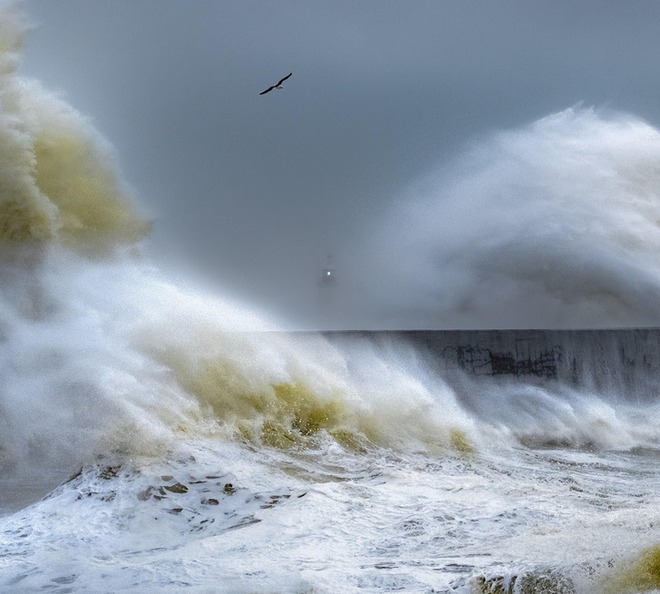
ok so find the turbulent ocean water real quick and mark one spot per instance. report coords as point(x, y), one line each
point(155, 437)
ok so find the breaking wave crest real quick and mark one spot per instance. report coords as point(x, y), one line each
point(58, 180)
point(554, 225)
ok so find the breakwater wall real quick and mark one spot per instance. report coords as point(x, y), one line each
point(620, 360)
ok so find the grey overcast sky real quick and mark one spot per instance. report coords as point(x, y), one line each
point(255, 192)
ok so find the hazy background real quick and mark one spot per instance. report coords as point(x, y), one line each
point(260, 194)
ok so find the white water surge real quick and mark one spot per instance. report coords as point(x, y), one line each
point(554, 225)
point(197, 449)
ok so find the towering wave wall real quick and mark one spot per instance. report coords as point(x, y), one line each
point(552, 225)
point(58, 178)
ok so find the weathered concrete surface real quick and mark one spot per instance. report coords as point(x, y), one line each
point(622, 359)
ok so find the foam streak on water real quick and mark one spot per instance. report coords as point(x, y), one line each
point(328, 519)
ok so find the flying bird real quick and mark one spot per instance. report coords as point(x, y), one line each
point(276, 86)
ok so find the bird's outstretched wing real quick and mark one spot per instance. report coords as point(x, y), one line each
point(287, 76)
point(267, 90)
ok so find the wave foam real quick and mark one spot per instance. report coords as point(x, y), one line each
point(555, 225)
point(58, 177)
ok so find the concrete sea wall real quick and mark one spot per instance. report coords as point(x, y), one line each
point(621, 359)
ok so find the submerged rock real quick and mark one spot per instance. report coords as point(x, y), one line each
point(534, 582)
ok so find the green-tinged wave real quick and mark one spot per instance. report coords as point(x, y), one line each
point(58, 178)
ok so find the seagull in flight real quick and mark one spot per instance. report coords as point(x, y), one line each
point(276, 86)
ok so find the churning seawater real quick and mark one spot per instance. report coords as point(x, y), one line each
point(155, 437)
